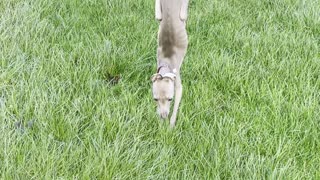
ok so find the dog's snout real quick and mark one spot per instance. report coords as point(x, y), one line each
point(164, 115)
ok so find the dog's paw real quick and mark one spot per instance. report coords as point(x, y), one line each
point(172, 122)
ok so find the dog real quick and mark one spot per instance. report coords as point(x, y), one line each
point(172, 48)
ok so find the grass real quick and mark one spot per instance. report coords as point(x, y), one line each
point(75, 92)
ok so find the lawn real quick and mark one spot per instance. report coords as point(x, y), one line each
point(75, 91)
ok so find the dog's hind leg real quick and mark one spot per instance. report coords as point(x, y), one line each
point(177, 99)
point(184, 10)
point(158, 10)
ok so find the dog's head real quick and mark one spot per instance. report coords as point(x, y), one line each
point(163, 92)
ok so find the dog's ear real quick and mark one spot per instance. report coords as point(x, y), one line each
point(170, 76)
point(158, 10)
point(156, 77)
point(184, 10)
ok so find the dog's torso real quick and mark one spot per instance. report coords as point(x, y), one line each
point(172, 37)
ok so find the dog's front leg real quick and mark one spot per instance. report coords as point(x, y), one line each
point(177, 99)
point(158, 10)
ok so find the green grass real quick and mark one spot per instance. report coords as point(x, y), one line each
point(80, 72)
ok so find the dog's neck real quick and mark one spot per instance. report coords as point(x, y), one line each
point(164, 68)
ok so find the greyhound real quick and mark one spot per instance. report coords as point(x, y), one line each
point(172, 48)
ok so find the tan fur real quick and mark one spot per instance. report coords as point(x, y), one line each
point(172, 47)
